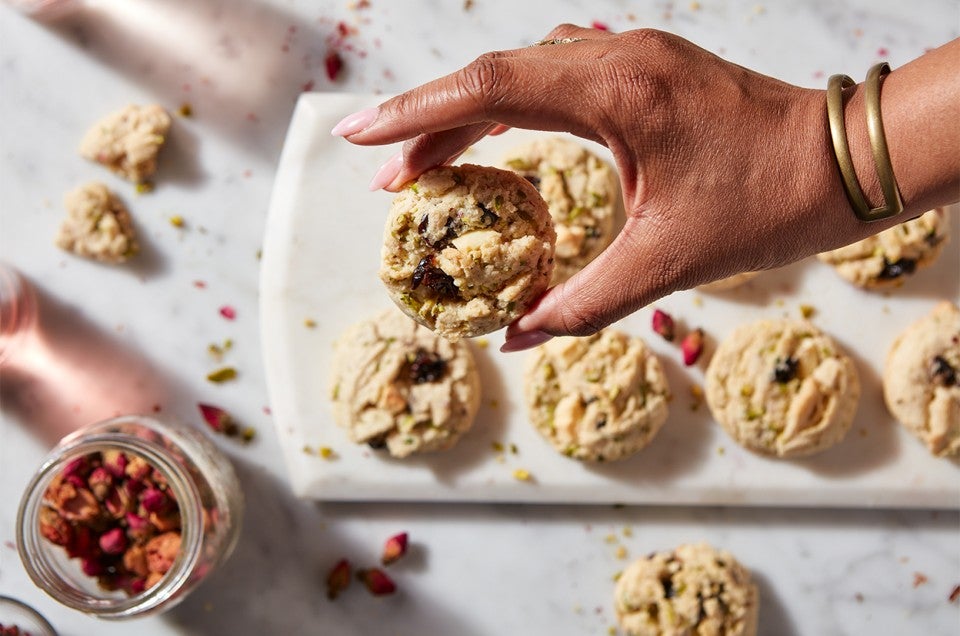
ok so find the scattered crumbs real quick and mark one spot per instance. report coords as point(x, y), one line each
point(919, 578)
point(144, 187)
point(307, 449)
point(631, 17)
point(248, 434)
point(696, 396)
point(494, 403)
point(600, 26)
point(808, 311)
point(208, 606)
point(247, 173)
point(483, 343)
point(218, 351)
point(858, 597)
point(612, 631)
point(598, 610)
point(858, 33)
point(333, 64)
point(954, 593)
point(759, 9)
point(521, 474)
point(514, 450)
point(199, 284)
point(10, 545)
point(176, 221)
point(228, 312)
point(267, 410)
point(500, 459)
point(885, 309)
point(307, 86)
point(818, 74)
point(185, 110)
point(610, 538)
point(359, 4)
point(698, 301)
point(223, 374)
point(904, 559)
point(694, 6)
point(309, 323)
point(621, 552)
point(467, 5)
point(578, 609)
point(778, 302)
point(721, 451)
point(627, 531)
point(616, 575)
point(497, 447)
point(259, 254)
point(327, 453)
point(883, 52)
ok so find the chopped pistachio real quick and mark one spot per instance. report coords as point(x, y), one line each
point(309, 323)
point(616, 575)
point(621, 552)
point(176, 220)
point(483, 343)
point(222, 375)
point(185, 110)
point(521, 475)
point(327, 453)
point(807, 311)
point(144, 187)
point(497, 446)
point(247, 434)
point(746, 390)
point(610, 538)
point(513, 449)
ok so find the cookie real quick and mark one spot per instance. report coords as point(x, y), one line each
point(888, 258)
point(599, 398)
point(97, 225)
point(127, 141)
point(693, 590)
point(581, 191)
point(782, 388)
point(921, 379)
point(467, 249)
point(728, 283)
point(397, 385)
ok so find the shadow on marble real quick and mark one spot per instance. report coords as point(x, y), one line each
point(178, 163)
point(275, 581)
point(774, 619)
point(771, 283)
point(239, 65)
point(68, 372)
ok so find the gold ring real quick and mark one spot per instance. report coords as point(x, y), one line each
point(557, 41)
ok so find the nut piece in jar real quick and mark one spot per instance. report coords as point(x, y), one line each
point(128, 141)
point(467, 249)
point(921, 380)
point(782, 388)
point(695, 589)
point(887, 259)
point(580, 190)
point(398, 386)
point(599, 398)
point(97, 225)
point(114, 512)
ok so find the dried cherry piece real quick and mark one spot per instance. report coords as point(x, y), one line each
point(897, 269)
point(785, 370)
point(943, 372)
point(434, 279)
point(426, 367)
point(488, 217)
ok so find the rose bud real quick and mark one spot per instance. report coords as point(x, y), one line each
point(100, 481)
point(377, 582)
point(79, 466)
point(338, 579)
point(54, 528)
point(92, 567)
point(137, 469)
point(153, 500)
point(395, 548)
point(692, 347)
point(115, 462)
point(113, 541)
point(83, 545)
point(663, 324)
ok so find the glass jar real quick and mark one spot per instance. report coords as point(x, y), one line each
point(18, 310)
point(196, 475)
point(19, 615)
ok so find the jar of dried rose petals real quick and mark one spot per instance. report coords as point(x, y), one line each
point(126, 516)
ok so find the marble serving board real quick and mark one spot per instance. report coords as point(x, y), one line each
point(320, 260)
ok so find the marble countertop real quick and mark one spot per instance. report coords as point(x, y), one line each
point(135, 338)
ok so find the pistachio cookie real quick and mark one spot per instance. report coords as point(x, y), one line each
point(97, 225)
point(399, 386)
point(782, 388)
point(581, 191)
point(599, 398)
point(693, 590)
point(467, 249)
point(888, 258)
point(921, 379)
point(128, 141)
point(728, 283)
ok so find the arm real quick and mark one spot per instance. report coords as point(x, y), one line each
point(723, 170)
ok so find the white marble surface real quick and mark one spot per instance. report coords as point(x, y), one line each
point(126, 339)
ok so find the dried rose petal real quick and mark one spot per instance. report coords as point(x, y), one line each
point(153, 500)
point(92, 567)
point(118, 502)
point(78, 504)
point(692, 347)
point(338, 579)
point(79, 466)
point(54, 528)
point(663, 324)
point(115, 462)
point(137, 585)
point(228, 312)
point(100, 481)
point(333, 64)
point(218, 419)
point(83, 544)
point(395, 548)
point(377, 582)
point(137, 526)
point(600, 26)
point(113, 541)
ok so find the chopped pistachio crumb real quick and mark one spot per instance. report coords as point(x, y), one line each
point(513, 449)
point(521, 475)
point(621, 552)
point(612, 631)
point(721, 451)
point(497, 446)
point(222, 375)
point(309, 323)
point(807, 311)
point(259, 254)
point(746, 390)
point(176, 220)
point(696, 391)
point(327, 453)
point(627, 531)
point(778, 302)
point(483, 343)
point(185, 110)
point(307, 449)
point(610, 538)
point(248, 434)
point(698, 301)
point(616, 575)
point(144, 187)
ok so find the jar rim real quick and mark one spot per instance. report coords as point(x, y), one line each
point(38, 564)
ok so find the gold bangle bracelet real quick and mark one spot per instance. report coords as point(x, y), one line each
point(893, 203)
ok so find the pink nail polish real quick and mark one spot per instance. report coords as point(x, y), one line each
point(354, 122)
point(525, 340)
point(387, 172)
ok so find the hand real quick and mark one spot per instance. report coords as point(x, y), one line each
point(723, 170)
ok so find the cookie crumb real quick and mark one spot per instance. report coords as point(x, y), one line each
point(621, 552)
point(808, 311)
point(309, 323)
point(919, 579)
point(954, 594)
point(610, 538)
point(858, 597)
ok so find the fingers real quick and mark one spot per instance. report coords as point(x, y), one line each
point(433, 149)
point(610, 287)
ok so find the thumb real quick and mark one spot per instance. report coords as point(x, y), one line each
point(629, 274)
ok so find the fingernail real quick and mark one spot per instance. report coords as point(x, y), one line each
point(355, 122)
point(387, 172)
point(525, 340)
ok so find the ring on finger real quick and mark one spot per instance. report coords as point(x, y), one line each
point(557, 41)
